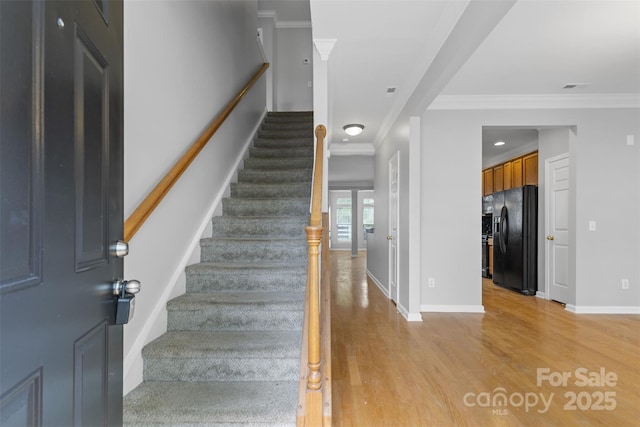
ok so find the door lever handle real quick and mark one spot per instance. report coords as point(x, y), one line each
point(389, 237)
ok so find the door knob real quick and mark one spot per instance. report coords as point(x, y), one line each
point(126, 287)
point(120, 249)
point(550, 237)
point(389, 237)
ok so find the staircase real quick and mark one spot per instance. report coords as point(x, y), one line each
point(231, 354)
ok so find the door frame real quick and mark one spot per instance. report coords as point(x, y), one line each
point(392, 237)
point(547, 222)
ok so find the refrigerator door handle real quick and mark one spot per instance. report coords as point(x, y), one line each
point(503, 230)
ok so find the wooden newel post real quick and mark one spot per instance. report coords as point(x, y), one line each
point(314, 237)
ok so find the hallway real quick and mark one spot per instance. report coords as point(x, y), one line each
point(457, 369)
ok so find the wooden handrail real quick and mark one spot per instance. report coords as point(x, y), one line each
point(153, 199)
point(314, 400)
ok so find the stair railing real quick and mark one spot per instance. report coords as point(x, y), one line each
point(153, 199)
point(314, 398)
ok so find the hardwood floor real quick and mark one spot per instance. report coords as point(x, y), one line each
point(452, 369)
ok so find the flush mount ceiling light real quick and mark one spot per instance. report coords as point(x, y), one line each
point(353, 129)
point(499, 143)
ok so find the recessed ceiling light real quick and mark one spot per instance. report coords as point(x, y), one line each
point(353, 129)
point(498, 143)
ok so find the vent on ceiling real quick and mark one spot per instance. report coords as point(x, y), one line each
point(576, 85)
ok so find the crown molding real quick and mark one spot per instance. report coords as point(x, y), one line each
point(293, 24)
point(532, 102)
point(269, 14)
point(282, 24)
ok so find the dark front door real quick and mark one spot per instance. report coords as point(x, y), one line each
point(61, 189)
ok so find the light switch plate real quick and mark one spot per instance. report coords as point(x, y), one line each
point(592, 226)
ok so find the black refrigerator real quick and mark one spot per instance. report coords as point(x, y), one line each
point(515, 241)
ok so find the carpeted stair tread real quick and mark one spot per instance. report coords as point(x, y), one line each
point(214, 404)
point(278, 189)
point(279, 163)
point(272, 176)
point(302, 125)
point(243, 268)
point(226, 344)
point(305, 151)
point(289, 206)
point(240, 277)
point(271, 301)
point(284, 141)
point(253, 226)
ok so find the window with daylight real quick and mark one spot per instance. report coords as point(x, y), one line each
point(343, 219)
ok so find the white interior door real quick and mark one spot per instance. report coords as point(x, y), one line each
point(392, 237)
point(557, 253)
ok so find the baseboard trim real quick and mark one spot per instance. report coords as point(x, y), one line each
point(408, 316)
point(375, 280)
point(132, 363)
point(541, 294)
point(605, 309)
point(452, 308)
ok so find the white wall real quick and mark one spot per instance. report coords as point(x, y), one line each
point(184, 60)
point(345, 170)
point(605, 188)
point(293, 92)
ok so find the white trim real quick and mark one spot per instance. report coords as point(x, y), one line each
point(269, 14)
point(324, 47)
point(373, 278)
point(526, 102)
point(293, 24)
point(282, 24)
point(133, 359)
point(353, 149)
point(540, 294)
point(603, 309)
point(408, 316)
point(452, 308)
point(415, 211)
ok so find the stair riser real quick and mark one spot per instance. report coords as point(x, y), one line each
point(258, 207)
point(239, 282)
point(236, 369)
point(220, 250)
point(288, 125)
point(284, 142)
point(265, 152)
point(282, 190)
point(226, 226)
point(279, 163)
point(225, 318)
point(262, 176)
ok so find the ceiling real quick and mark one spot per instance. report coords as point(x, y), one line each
point(536, 48)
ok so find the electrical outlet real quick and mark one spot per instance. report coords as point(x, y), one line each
point(431, 282)
point(625, 283)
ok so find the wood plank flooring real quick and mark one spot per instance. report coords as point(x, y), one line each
point(455, 369)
